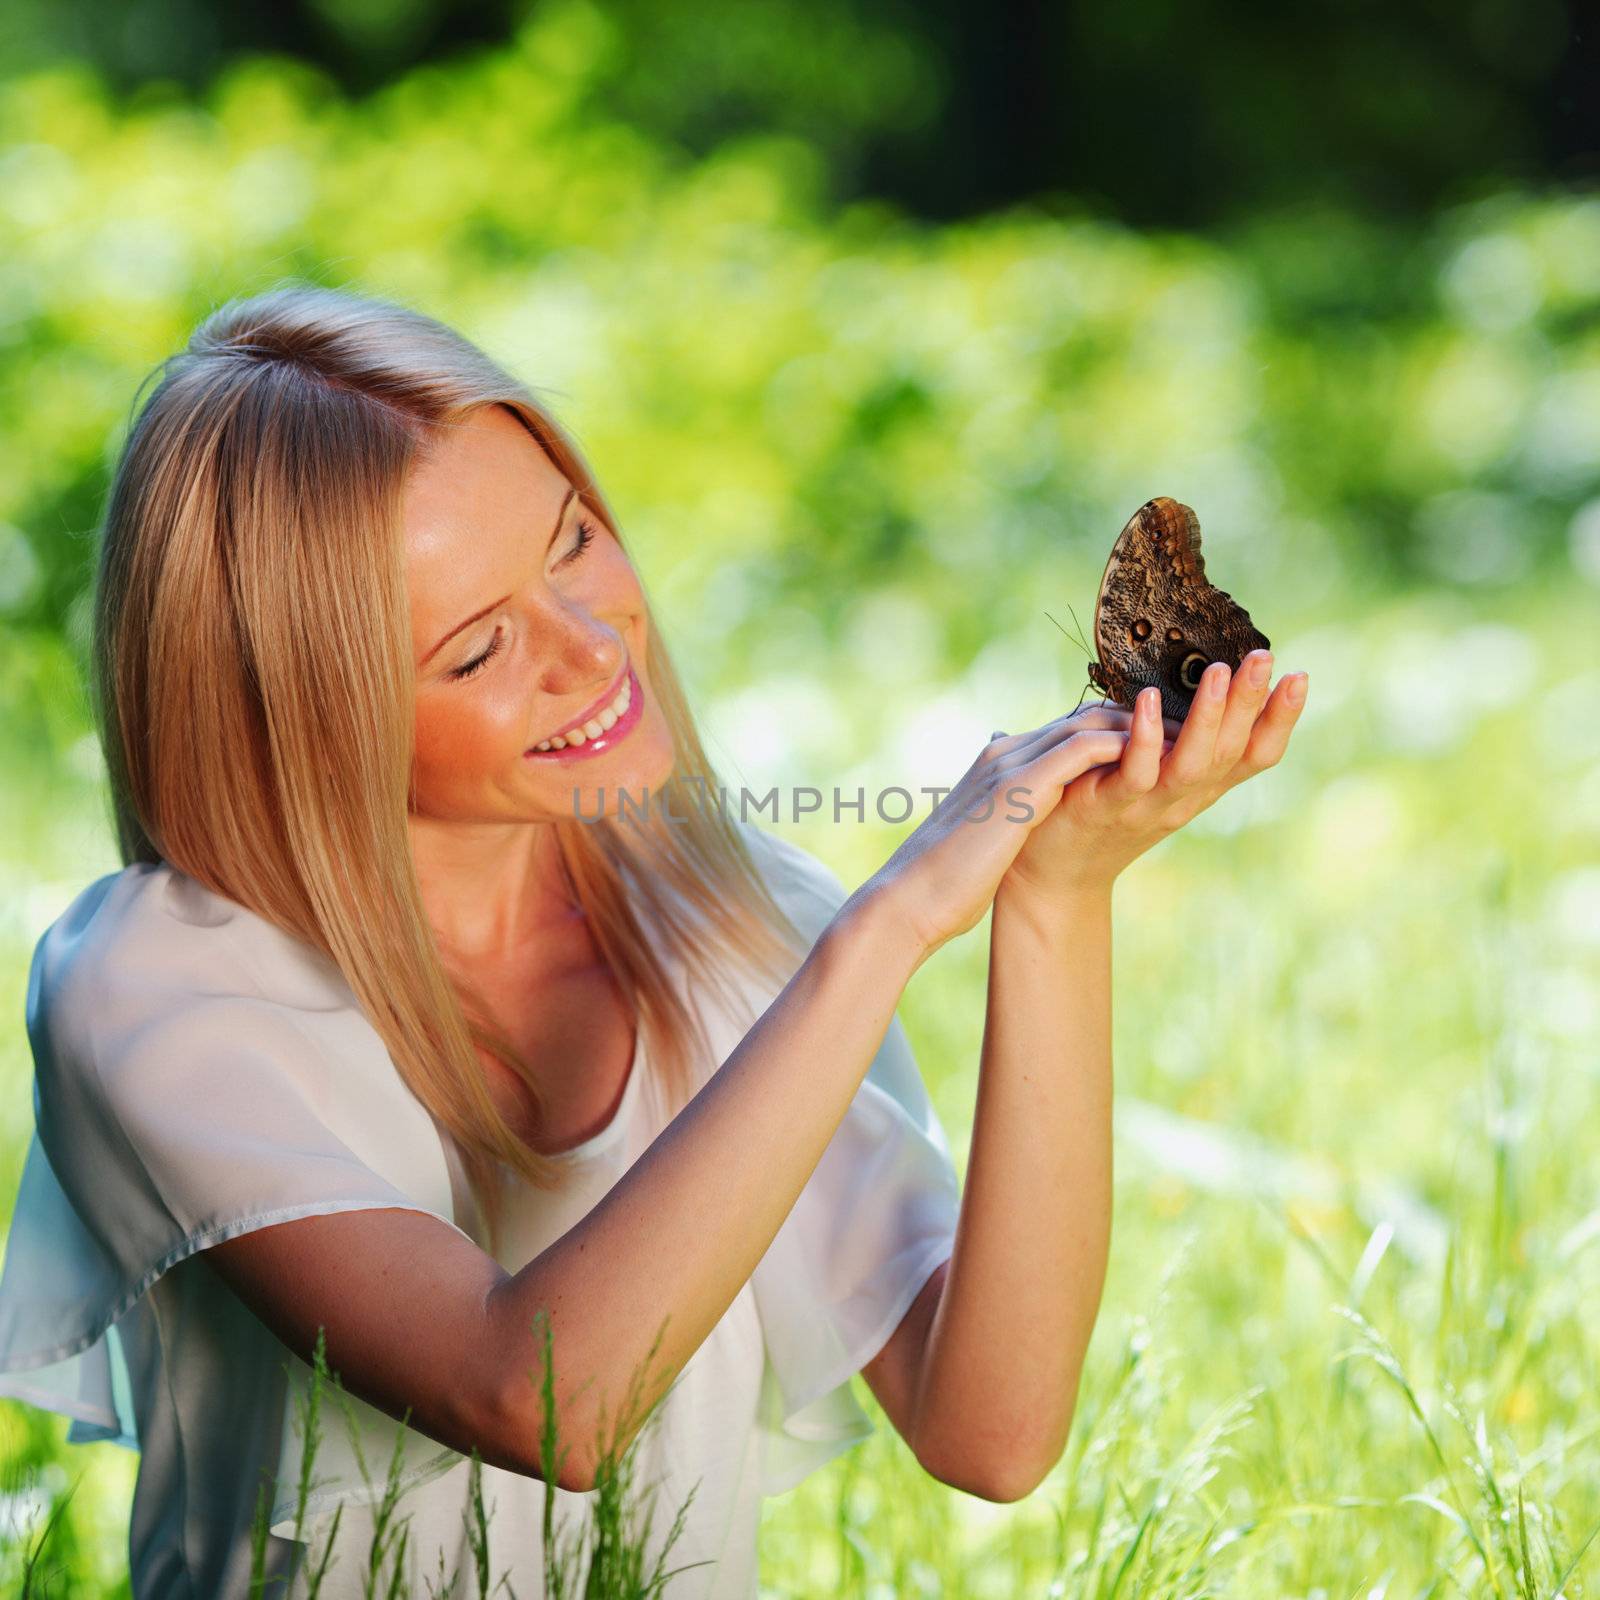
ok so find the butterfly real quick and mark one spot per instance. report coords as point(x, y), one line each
point(1157, 619)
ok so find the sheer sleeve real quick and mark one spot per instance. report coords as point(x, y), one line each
point(877, 1216)
point(180, 1101)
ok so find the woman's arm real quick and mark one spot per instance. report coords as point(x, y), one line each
point(982, 1375)
point(985, 1397)
point(417, 1315)
point(728, 1168)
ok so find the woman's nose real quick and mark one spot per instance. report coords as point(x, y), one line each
point(582, 657)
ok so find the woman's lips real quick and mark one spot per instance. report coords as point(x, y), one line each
point(618, 731)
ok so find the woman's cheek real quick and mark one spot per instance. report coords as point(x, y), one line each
point(434, 735)
point(472, 735)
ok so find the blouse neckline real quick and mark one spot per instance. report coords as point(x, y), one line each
point(597, 1143)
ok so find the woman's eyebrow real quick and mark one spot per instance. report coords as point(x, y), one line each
point(466, 622)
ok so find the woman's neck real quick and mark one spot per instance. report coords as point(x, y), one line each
point(494, 892)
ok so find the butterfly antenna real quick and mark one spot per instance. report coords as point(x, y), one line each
point(1082, 646)
point(1079, 640)
point(1079, 626)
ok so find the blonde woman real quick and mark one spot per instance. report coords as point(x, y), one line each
point(406, 1022)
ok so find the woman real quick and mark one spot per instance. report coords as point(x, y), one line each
point(406, 1022)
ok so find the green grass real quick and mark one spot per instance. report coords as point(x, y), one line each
point(606, 1557)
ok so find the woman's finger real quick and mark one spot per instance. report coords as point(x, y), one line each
point(1052, 768)
point(1170, 726)
point(1025, 745)
point(1100, 715)
point(1140, 766)
point(1246, 696)
point(1192, 754)
point(1270, 736)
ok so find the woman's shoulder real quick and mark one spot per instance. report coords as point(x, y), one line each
point(139, 939)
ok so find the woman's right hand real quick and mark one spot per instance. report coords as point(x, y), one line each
point(943, 876)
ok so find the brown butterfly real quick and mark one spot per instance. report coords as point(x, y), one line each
point(1157, 620)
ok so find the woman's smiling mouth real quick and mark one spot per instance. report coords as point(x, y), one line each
point(599, 730)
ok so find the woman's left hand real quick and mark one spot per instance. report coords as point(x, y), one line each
point(1167, 773)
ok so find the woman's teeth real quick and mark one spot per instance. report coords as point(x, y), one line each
point(595, 726)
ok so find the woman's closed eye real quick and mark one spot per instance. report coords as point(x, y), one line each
point(585, 538)
point(472, 666)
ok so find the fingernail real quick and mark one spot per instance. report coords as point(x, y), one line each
point(1296, 691)
point(1259, 668)
point(1219, 674)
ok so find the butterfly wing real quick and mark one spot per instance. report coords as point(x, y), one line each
point(1158, 620)
point(1119, 583)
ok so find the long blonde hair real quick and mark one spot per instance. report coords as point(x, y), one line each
point(253, 687)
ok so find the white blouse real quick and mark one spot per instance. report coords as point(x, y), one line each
point(200, 1073)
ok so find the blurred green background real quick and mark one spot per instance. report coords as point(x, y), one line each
point(876, 323)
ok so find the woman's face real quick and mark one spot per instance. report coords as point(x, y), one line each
point(526, 617)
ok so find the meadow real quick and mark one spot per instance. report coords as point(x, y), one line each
point(1349, 1344)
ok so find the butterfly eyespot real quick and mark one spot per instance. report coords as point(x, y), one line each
point(1175, 634)
point(1191, 669)
point(1142, 629)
